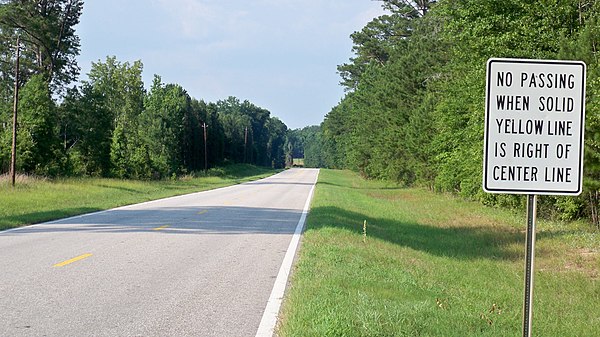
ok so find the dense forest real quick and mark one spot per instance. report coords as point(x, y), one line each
point(110, 125)
point(413, 111)
point(415, 90)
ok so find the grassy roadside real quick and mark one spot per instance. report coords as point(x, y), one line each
point(36, 200)
point(433, 265)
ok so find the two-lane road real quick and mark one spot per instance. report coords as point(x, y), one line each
point(202, 264)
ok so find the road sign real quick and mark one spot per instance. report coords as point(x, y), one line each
point(534, 126)
point(533, 142)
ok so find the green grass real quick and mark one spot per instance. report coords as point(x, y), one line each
point(35, 200)
point(433, 265)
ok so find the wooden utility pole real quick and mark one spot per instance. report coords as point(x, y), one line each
point(205, 147)
point(251, 147)
point(13, 159)
point(245, 142)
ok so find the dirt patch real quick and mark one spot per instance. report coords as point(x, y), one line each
point(585, 261)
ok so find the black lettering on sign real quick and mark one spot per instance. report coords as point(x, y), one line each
point(500, 150)
point(520, 127)
point(515, 103)
point(515, 173)
point(504, 79)
point(547, 80)
point(562, 150)
point(556, 104)
point(530, 150)
point(557, 174)
point(560, 128)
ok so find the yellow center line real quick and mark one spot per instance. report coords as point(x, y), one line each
point(75, 259)
point(202, 212)
point(160, 228)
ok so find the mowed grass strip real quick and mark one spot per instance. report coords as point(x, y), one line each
point(433, 265)
point(36, 200)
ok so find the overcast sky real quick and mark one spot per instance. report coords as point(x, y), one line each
point(279, 54)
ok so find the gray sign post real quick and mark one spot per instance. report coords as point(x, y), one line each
point(533, 142)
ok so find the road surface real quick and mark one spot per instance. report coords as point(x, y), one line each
point(203, 264)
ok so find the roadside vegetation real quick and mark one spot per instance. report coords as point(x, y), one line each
point(36, 200)
point(107, 124)
point(434, 265)
point(415, 93)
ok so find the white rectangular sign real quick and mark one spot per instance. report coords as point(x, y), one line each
point(534, 126)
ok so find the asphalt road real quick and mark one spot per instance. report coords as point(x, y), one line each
point(202, 264)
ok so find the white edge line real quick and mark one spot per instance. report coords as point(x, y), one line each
point(269, 318)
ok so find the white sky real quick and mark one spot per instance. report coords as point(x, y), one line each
point(278, 54)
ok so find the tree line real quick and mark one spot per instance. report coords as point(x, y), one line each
point(413, 111)
point(110, 125)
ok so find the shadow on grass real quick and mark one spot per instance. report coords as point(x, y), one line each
point(18, 220)
point(241, 171)
point(455, 242)
point(390, 188)
point(120, 188)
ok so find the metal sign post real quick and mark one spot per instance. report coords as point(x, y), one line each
point(529, 265)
